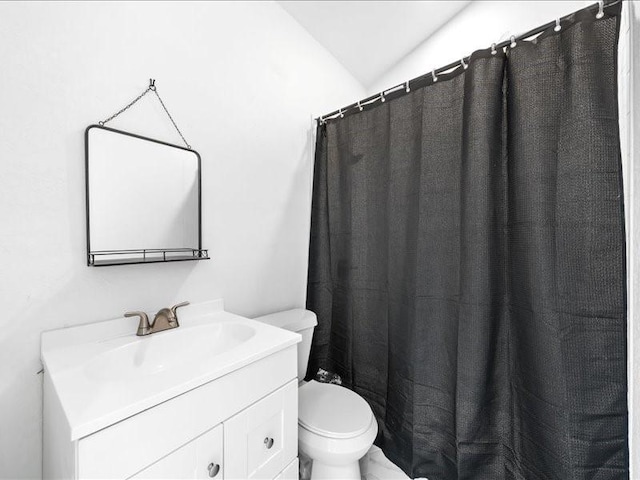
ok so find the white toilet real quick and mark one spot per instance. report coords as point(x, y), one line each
point(336, 426)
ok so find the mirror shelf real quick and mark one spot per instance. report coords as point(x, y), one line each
point(156, 255)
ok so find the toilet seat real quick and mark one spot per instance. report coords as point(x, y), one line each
point(332, 411)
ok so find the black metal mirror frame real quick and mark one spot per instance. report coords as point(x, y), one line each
point(115, 257)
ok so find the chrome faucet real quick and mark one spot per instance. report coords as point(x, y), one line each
point(165, 319)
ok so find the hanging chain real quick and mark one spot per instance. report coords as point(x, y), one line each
point(125, 108)
point(150, 88)
point(170, 117)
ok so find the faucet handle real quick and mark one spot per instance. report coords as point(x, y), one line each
point(177, 306)
point(143, 326)
point(173, 311)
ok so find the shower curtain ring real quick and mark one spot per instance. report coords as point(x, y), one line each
point(321, 120)
point(359, 106)
point(340, 112)
point(433, 75)
point(600, 13)
point(407, 87)
point(493, 49)
point(382, 97)
point(513, 41)
point(558, 27)
point(464, 65)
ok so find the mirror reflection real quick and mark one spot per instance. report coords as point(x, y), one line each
point(143, 199)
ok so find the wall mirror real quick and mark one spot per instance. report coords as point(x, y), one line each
point(143, 199)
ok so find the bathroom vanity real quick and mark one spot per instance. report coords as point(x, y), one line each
point(214, 398)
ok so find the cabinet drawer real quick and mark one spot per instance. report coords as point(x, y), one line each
point(263, 439)
point(199, 459)
point(289, 473)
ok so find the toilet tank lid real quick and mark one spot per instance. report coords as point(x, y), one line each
point(294, 320)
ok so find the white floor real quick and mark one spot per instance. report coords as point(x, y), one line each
point(375, 466)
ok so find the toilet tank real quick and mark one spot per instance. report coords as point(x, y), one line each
point(300, 321)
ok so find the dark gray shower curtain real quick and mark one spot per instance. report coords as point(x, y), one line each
point(467, 263)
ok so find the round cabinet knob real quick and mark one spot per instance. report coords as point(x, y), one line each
point(213, 468)
point(268, 442)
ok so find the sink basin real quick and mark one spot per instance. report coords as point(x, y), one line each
point(156, 353)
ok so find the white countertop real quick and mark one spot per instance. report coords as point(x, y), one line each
point(95, 391)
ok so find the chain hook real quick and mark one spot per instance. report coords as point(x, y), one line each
point(152, 88)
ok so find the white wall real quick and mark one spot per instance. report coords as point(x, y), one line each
point(241, 80)
point(632, 210)
point(483, 23)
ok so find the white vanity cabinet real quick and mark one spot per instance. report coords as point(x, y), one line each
point(259, 443)
point(237, 423)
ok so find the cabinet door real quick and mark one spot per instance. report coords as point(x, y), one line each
point(289, 473)
point(199, 459)
point(263, 439)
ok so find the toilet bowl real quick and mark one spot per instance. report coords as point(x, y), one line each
point(336, 426)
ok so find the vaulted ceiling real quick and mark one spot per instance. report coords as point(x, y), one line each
point(369, 37)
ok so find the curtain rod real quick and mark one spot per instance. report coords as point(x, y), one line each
point(463, 62)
